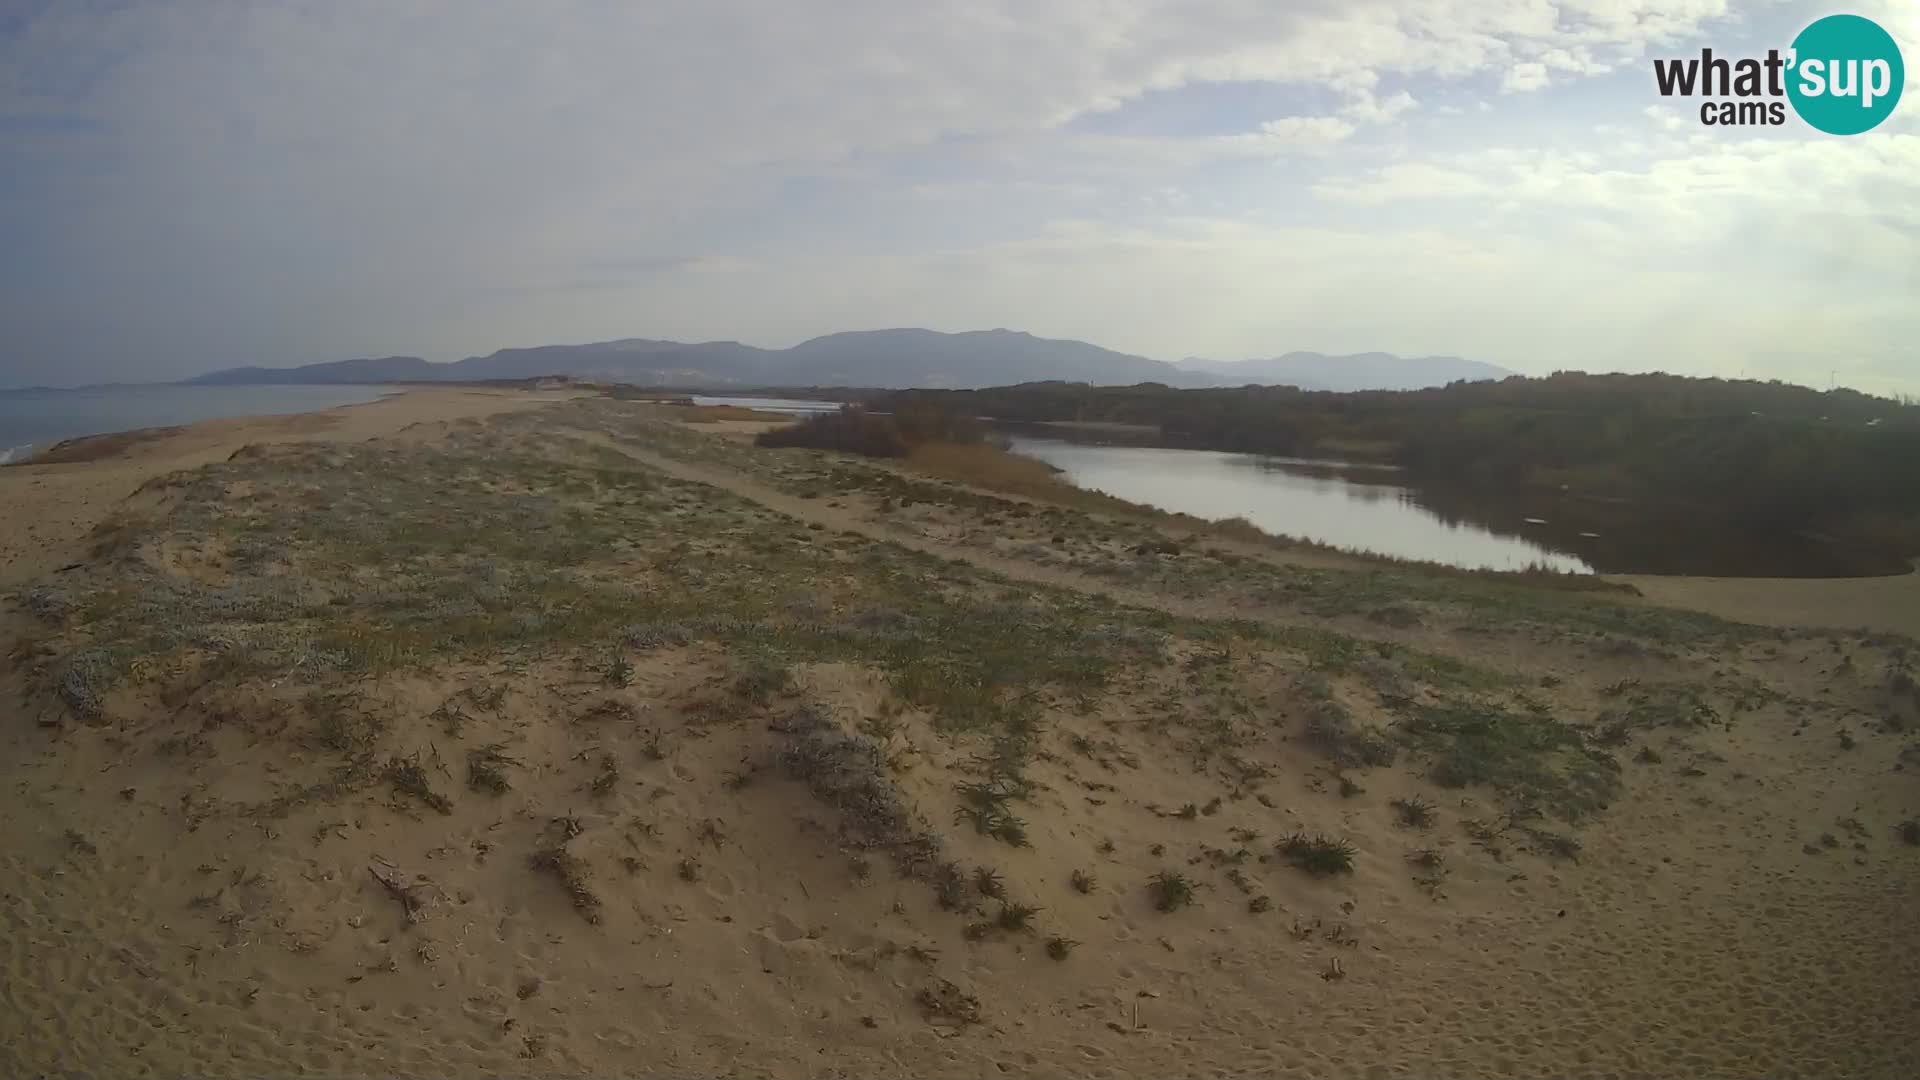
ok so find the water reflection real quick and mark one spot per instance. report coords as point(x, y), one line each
point(789, 406)
point(1376, 508)
point(1331, 502)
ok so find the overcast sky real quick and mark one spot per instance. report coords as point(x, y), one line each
point(186, 186)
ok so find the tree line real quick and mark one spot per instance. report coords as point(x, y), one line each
point(1768, 455)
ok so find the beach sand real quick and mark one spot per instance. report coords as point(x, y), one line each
point(230, 871)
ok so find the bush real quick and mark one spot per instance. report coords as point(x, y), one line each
point(1318, 855)
point(1171, 890)
point(1414, 813)
point(854, 430)
point(1333, 734)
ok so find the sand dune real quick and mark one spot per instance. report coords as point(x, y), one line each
point(459, 737)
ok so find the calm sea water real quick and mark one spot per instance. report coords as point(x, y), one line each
point(31, 419)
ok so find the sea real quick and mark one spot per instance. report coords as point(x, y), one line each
point(37, 418)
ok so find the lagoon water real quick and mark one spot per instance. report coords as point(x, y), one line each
point(789, 406)
point(37, 418)
point(1360, 507)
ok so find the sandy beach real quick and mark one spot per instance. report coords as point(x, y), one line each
point(503, 733)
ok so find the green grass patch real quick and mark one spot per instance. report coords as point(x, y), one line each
point(1530, 758)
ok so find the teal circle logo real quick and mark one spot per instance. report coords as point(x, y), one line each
point(1846, 74)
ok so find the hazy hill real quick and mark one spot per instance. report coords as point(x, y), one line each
point(1358, 371)
point(884, 358)
point(383, 369)
point(898, 358)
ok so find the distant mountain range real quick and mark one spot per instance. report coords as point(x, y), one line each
point(880, 358)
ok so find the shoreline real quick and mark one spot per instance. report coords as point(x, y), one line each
point(34, 450)
point(55, 505)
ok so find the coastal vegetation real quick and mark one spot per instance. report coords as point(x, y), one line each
point(1762, 455)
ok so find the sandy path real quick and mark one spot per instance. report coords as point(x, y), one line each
point(49, 509)
point(1878, 603)
point(814, 511)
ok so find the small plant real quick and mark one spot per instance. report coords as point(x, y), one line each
point(1648, 756)
point(989, 884)
point(1432, 884)
point(1555, 845)
point(1212, 807)
point(982, 818)
point(1061, 947)
point(572, 873)
point(762, 680)
point(1318, 855)
point(861, 868)
point(1010, 830)
point(486, 770)
point(1014, 917)
point(651, 747)
point(409, 777)
point(950, 888)
point(607, 777)
point(945, 1001)
point(1157, 849)
point(1170, 890)
point(1081, 881)
point(1910, 832)
point(618, 670)
point(1349, 787)
point(1427, 858)
point(1847, 741)
point(1260, 905)
point(1188, 812)
point(688, 868)
point(1414, 813)
point(1106, 847)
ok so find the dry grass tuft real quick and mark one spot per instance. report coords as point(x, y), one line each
point(573, 877)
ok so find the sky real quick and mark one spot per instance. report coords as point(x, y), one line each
point(192, 185)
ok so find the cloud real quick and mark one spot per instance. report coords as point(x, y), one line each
point(1524, 78)
point(1307, 130)
point(183, 187)
point(1367, 109)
